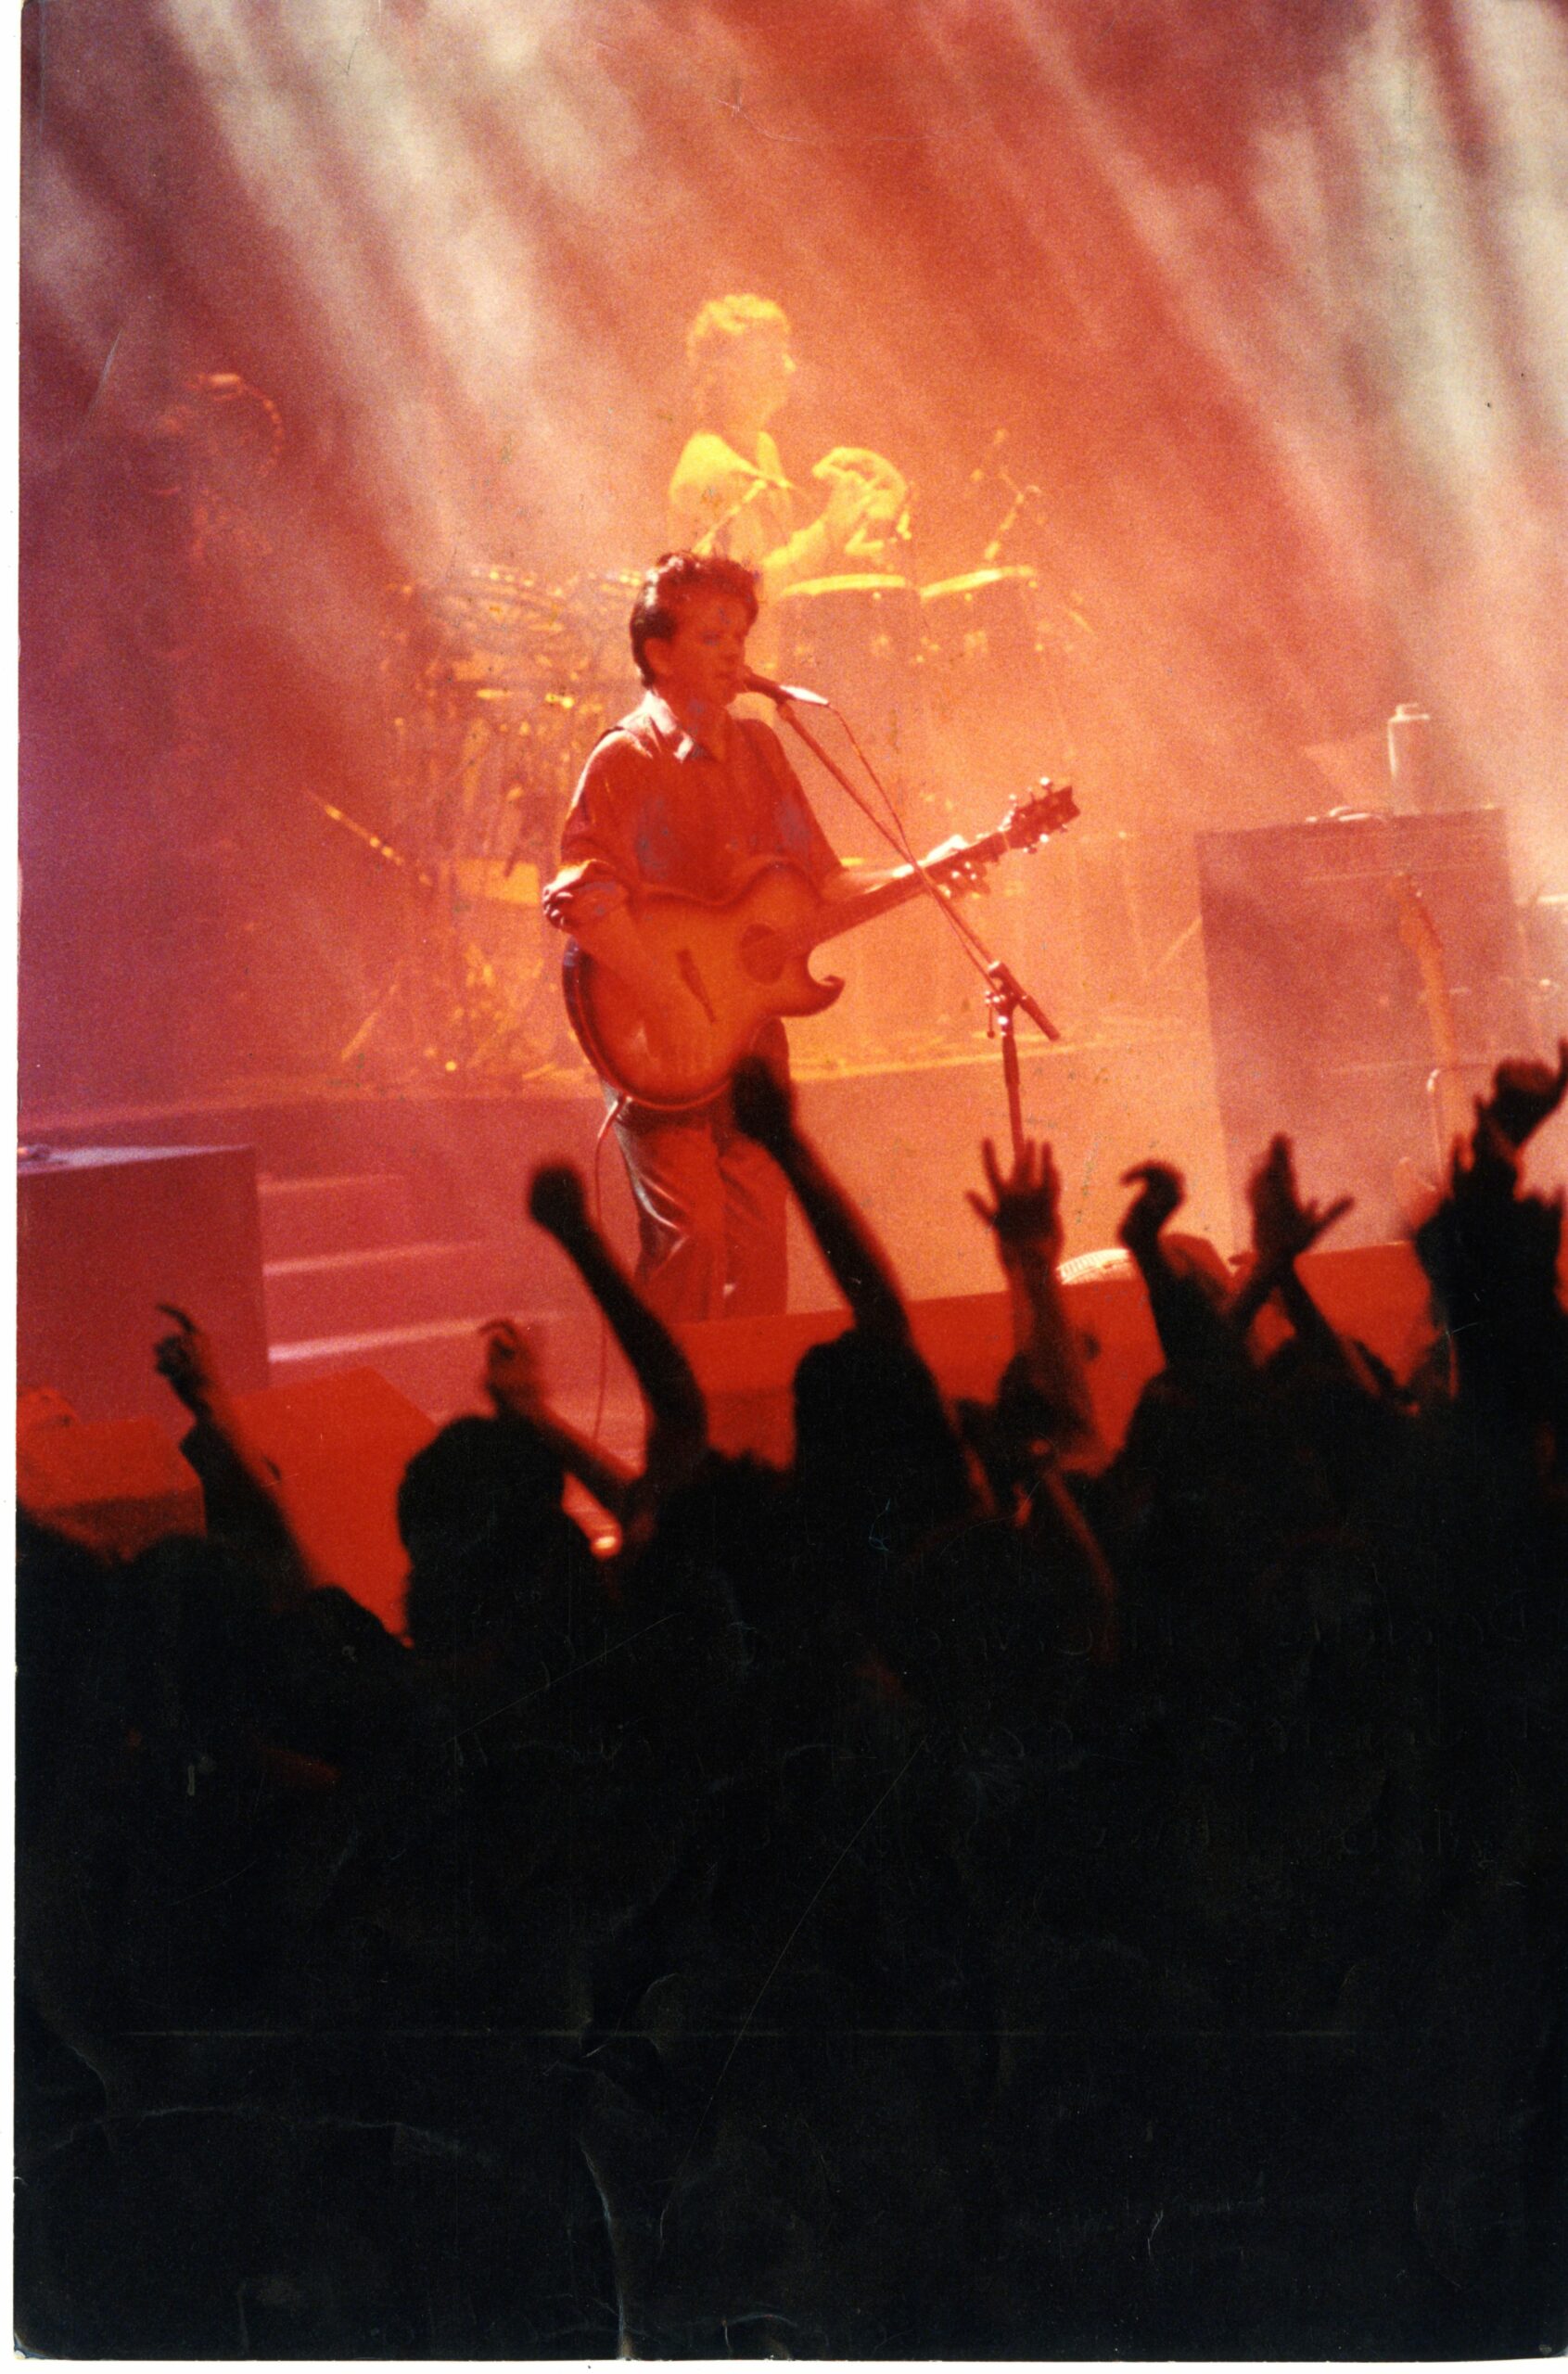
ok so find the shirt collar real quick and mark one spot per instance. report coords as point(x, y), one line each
point(668, 728)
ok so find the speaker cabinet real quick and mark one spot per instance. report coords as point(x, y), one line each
point(1324, 1020)
point(104, 1234)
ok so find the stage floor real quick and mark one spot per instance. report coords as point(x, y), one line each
point(904, 1134)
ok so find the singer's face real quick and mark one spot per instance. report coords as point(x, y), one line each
point(702, 665)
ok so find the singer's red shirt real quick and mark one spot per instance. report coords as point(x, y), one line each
point(655, 809)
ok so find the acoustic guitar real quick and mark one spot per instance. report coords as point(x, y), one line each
point(739, 963)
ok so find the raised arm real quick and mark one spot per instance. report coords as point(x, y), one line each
point(677, 1412)
point(226, 1456)
point(1524, 1093)
point(1492, 1255)
point(1283, 1227)
point(1024, 1216)
point(765, 1110)
point(511, 1379)
point(1189, 1326)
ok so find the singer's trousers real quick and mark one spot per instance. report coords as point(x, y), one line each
point(711, 1207)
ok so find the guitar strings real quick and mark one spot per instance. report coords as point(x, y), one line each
point(899, 840)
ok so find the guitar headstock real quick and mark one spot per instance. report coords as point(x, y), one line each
point(1029, 822)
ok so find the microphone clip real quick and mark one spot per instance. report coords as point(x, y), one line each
point(783, 694)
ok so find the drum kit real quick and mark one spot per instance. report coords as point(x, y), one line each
point(496, 684)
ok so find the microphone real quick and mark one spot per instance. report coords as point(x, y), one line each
point(782, 694)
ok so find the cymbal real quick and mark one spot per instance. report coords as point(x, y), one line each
point(975, 579)
point(807, 588)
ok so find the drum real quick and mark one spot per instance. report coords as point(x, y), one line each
point(987, 621)
point(821, 617)
point(856, 640)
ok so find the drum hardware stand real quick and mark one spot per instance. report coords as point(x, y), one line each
point(1004, 992)
point(1021, 495)
point(442, 986)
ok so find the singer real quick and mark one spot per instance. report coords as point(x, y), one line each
point(681, 796)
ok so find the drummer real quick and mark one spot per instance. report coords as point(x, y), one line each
point(729, 493)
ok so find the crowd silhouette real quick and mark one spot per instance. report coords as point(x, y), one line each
point(979, 1891)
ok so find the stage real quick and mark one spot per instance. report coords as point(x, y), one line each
point(905, 1138)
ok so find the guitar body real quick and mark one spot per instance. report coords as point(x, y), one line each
point(726, 969)
point(734, 967)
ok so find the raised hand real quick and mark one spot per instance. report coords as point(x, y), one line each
point(511, 1372)
point(1162, 1193)
point(1025, 1209)
point(187, 1361)
point(557, 1203)
point(1282, 1226)
point(1524, 1093)
point(764, 1105)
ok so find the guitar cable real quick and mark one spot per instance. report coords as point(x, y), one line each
point(612, 1115)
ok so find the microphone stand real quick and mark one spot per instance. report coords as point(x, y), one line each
point(1004, 992)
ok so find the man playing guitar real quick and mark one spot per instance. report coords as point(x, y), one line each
point(683, 796)
point(694, 884)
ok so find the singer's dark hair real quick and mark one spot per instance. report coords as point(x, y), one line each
point(670, 586)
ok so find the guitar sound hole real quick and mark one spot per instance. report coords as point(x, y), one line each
point(762, 952)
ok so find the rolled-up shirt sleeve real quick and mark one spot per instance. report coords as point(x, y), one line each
point(599, 865)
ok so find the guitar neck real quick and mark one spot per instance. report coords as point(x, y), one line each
point(881, 898)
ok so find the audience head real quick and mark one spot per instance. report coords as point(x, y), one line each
point(875, 1455)
point(488, 1544)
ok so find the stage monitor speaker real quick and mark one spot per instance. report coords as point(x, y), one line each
point(104, 1234)
point(115, 1483)
point(340, 1445)
point(1322, 1017)
point(337, 1444)
point(744, 1366)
